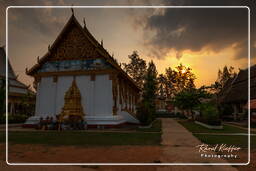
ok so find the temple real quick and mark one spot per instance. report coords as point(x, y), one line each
point(77, 66)
point(21, 99)
point(235, 93)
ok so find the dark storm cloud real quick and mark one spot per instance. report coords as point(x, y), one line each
point(36, 18)
point(195, 29)
point(178, 29)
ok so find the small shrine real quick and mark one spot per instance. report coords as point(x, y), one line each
point(72, 110)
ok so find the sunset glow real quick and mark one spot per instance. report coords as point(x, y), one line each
point(31, 40)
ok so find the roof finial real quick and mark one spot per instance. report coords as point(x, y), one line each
point(84, 22)
point(38, 59)
point(72, 10)
point(49, 47)
point(101, 42)
point(113, 55)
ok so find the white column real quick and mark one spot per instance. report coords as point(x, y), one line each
point(11, 108)
point(38, 99)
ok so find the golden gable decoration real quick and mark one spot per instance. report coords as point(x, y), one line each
point(75, 45)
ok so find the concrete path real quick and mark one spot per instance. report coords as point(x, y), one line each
point(180, 147)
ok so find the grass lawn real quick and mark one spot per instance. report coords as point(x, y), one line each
point(195, 128)
point(156, 127)
point(82, 138)
point(238, 140)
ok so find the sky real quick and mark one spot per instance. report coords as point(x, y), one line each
point(204, 39)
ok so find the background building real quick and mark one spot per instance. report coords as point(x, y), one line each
point(235, 93)
point(21, 99)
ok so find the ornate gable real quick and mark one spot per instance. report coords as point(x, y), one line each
point(73, 45)
point(75, 49)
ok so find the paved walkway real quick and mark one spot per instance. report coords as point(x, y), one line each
point(180, 147)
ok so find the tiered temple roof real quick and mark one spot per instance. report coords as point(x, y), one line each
point(15, 86)
point(77, 43)
point(236, 89)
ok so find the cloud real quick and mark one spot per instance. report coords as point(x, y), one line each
point(197, 29)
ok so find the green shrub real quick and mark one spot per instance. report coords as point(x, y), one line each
point(209, 114)
point(145, 113)
point(13, 118)
point(226, 111)
point(181, 115)
point(2, 119)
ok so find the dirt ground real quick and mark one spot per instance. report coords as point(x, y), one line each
point(244, 155)
point(41, 153)
point(167, 152)
point(117, 154)
point(72, 154)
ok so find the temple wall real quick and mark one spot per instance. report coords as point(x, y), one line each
point(96, 95)
point(103, 101)
point(86, 87)
point(46, 97)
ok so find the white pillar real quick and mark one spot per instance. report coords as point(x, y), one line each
point(12, 108)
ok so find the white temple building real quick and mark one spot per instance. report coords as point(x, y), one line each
point(77, 61)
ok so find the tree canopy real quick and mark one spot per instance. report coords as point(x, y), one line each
point(136, 68)
point(224, 74)
point(175, 80)
point(189, 99)
point(146, 109)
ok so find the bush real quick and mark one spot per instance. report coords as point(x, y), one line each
point(180, 115)
point(2, 119)
point(13, 118)
point(144, 113)
point(209, 114)
point(226, 110)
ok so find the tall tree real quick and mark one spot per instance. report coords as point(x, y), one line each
point(223, 76)
point(161, 81)
point(146, 109)
point(171, 80)
point(150, 84)
point(136, 68)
